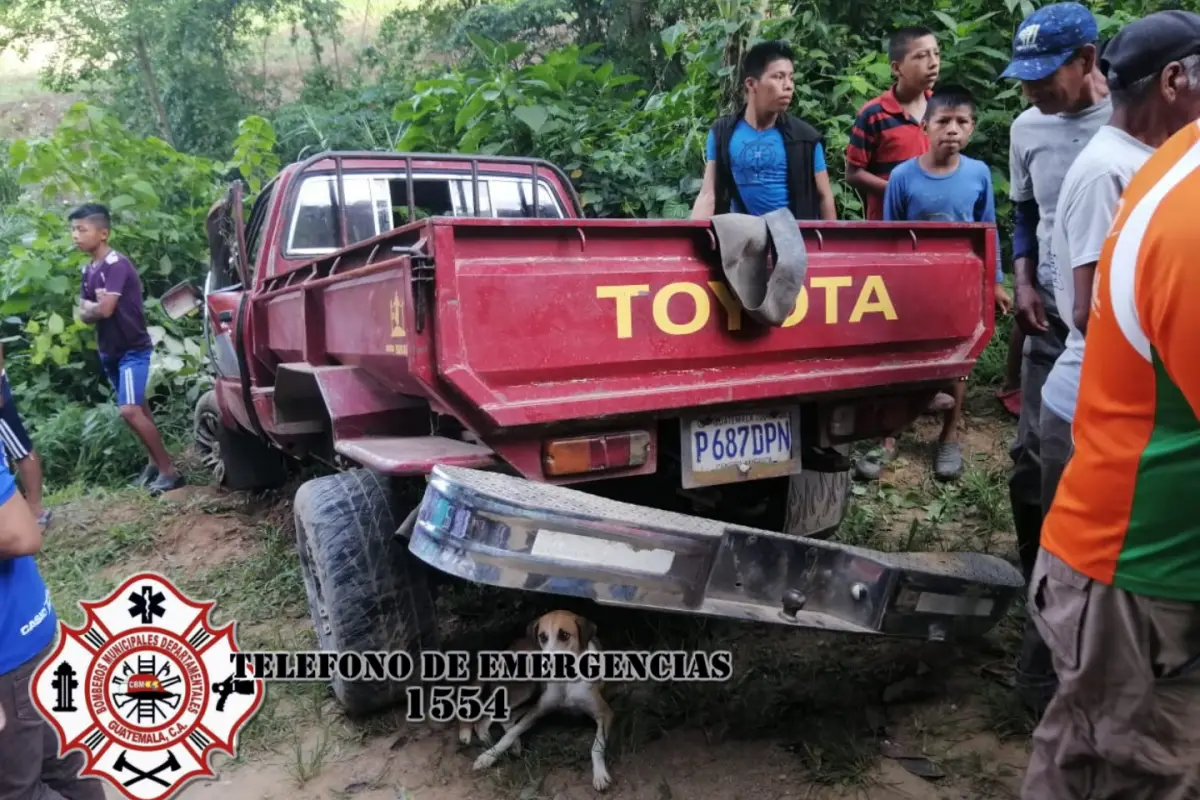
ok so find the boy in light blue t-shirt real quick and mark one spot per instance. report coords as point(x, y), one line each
point(942, 184)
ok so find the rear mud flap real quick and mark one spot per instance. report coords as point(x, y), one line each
point(514, 533)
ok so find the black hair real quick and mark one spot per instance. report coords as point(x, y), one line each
point(93, 212)
point(758, 57)
point(949, 96)
point(900, 40)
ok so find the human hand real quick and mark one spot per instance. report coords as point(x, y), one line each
point(1031, 313)
point(1004, 301)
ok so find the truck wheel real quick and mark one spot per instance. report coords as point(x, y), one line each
point(365, 591)
point(238, 460)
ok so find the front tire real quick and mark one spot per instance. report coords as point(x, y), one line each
point(365, 591)
point(237, 460)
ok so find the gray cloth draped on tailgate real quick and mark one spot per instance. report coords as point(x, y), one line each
point(767, 295)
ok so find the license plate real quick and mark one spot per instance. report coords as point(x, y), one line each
point(746, 446)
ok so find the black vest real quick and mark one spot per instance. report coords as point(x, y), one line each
point(799, 144)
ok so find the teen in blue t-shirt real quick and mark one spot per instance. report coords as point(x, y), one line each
point(942, 184)
point(746, 154)
point(760, 168)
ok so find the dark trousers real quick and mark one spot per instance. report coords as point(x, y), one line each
point(30, 768)
point(1036, 470)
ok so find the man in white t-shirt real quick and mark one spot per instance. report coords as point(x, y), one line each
point(1153, 71)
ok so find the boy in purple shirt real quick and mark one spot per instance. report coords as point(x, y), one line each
point(111, 299)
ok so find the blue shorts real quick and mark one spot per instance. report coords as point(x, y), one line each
point(129, 374)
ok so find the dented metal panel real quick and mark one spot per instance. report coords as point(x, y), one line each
point(510, 532)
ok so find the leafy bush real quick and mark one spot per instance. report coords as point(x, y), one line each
point(159, 199)
point(619, 93)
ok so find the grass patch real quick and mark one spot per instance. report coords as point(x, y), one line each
point(87, 541)
point(99, 538)
point(824, 702)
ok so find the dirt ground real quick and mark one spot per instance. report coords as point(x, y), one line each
point(806, 715)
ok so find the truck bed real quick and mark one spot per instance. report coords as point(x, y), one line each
point(546, 321)
point(505, 323)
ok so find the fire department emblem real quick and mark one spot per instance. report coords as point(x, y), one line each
point(146, 688)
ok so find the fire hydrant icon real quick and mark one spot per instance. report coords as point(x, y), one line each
point(65, 684)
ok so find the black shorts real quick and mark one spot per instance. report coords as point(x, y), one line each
point(13, 437)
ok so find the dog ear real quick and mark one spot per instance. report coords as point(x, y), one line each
point(531, 631)
point(586, 631)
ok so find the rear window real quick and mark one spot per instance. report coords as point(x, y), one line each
point(378, 203)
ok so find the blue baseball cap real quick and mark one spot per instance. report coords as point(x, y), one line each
point(1047, 38)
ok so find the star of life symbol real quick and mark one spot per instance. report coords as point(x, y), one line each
point(145, 689)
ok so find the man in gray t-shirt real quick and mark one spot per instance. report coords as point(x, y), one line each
point(1086, 207)
point(1055, 59)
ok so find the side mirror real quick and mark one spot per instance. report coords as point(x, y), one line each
point(181, 299)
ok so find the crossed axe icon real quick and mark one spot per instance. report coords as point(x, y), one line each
point(122, 764)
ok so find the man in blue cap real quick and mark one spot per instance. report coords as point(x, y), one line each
point(1055, 55)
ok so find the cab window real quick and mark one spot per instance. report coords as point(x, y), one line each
point(379, 203)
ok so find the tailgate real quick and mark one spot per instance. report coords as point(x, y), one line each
point(540, 321)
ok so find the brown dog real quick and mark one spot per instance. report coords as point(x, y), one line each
point(529, 701)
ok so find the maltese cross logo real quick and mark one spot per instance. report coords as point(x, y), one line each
point(145, 689)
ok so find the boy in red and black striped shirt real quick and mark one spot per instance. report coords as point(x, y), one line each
point(888, 131)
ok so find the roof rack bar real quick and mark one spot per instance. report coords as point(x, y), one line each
point(343, 237)
point(535, 182)
point(408, 180)
point(534, 163)
point(475, 185)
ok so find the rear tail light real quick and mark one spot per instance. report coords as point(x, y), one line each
point(596, 453)
point(841, 421)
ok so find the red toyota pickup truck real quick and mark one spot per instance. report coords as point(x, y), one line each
point(510, 394)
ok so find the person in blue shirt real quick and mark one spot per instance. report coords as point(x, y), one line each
point(943, 184)
point(760, 158)
point(29, 762)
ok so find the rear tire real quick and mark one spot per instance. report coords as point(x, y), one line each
point(237, 460)
point(365, 591)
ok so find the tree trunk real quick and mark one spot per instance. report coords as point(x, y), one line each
point(143, 56)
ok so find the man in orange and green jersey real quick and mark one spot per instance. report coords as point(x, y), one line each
point(1115, 591)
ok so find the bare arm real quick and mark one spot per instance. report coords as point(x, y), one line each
point(91, 313)
point(865, 182)
point(1085, 277)
point(825, 193)
point(19, 533)
point(706, 201)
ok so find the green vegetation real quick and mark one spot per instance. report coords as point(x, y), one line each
point(177, 98)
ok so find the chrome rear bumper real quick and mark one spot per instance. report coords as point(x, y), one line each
point(510, 532)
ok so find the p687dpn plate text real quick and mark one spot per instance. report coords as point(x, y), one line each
point(746, 446)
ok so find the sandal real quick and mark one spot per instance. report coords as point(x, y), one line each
point(1011, 400)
